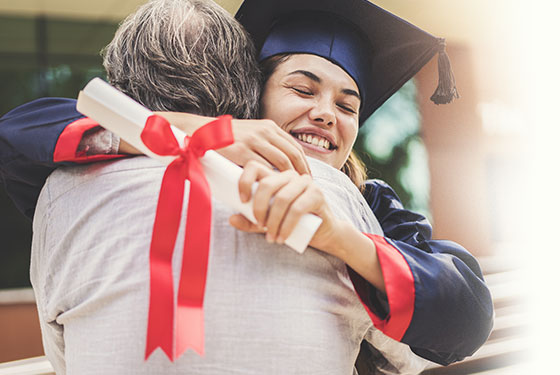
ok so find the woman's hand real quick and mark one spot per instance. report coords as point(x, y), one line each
point(265, 142)
point(259, 140)
point(280, 201)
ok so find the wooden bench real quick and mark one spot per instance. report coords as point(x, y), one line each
point(506, 351)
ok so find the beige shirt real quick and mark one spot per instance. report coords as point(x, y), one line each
point(268, 309)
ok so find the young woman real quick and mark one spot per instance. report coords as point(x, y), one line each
point(425, 293)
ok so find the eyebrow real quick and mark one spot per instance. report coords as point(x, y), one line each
point(315, 78)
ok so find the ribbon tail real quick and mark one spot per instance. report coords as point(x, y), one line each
point(161, 310)
point(190, 324)
point(190, 314)
point(166, 225)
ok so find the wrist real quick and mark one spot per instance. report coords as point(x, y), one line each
point(340, 242)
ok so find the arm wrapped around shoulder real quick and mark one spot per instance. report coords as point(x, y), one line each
point(28, 138)
point(437, 301)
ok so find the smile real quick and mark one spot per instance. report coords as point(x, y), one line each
point(314, 140)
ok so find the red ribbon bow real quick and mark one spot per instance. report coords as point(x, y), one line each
point(188, 327)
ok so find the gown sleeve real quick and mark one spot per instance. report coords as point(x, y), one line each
point(35, 138)
point(436, 299)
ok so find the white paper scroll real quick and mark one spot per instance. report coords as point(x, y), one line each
point(125, 117)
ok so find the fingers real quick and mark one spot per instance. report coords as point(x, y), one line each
point(311, 201)
point(278, 157)
point(291, 151)
point(282, 151)
point(241, 155)
point(279, 201)
point(267, 189)
point(239, 221)
point(263, 140)
point(273, 195)
point(253, 172)
point(286, 204)
point(263, 152)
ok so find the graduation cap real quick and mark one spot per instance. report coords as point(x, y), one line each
point(379, 50)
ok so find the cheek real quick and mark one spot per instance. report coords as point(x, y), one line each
point(271, 111)
point(283, 109)
point(349, 134)
point(270, 104)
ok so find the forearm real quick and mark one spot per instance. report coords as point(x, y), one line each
point(187, 122)
point(436, 299)
point(359, 253)
point(29, 137)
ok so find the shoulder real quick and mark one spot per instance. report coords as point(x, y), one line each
point(377, 191)
point(140, 173)
point(378, 185)
point(344, 197)
point(62, 106)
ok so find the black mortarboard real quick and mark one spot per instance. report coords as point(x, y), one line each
point(379, 50)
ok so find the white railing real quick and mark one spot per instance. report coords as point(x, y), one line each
point(30, 366)
point(13, 296)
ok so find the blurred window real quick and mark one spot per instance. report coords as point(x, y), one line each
point(40, 57)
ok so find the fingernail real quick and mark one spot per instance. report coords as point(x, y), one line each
point(280, 240)
point(269, 238)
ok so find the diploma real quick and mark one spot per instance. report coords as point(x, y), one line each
point(125, 117)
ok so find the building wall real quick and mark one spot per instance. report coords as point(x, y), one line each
point(454, 138)
point(19, 326)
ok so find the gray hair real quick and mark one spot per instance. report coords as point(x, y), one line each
point(186, 56)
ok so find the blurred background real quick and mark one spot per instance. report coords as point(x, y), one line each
point(482, 168)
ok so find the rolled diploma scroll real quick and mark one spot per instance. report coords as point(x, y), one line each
point(125, 117)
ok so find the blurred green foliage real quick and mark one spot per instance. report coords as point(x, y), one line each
point(389, 143)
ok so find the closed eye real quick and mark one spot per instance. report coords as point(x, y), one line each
point(303, 92)
point(347, 109)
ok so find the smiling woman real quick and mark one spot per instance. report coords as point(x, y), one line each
point(318, 103)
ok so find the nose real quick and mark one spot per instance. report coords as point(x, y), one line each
point(323, 112)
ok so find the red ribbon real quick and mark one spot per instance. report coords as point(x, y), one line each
point(187, 330)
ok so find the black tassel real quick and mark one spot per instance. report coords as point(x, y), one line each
point(447, 89)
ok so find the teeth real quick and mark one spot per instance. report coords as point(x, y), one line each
point(314, 140)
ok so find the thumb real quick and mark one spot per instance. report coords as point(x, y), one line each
point(241, 223)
